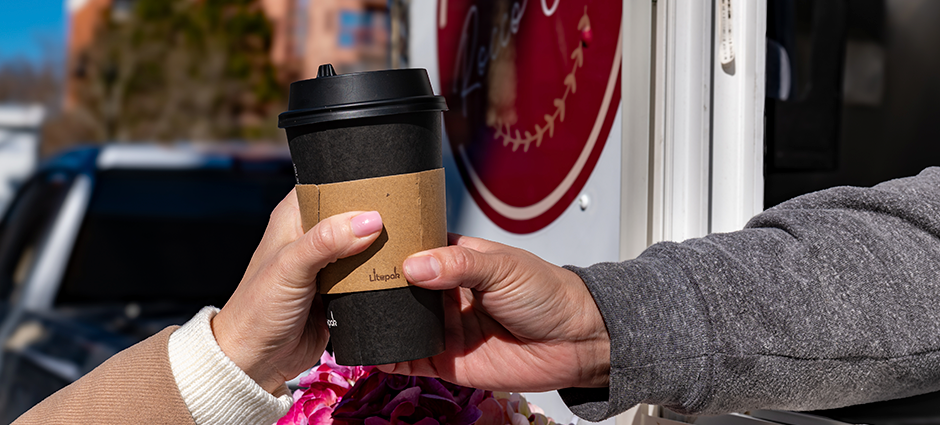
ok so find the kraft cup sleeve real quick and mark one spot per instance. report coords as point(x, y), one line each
point(413, 209)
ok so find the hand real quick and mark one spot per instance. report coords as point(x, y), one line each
point(273, 326)
point(514, 322)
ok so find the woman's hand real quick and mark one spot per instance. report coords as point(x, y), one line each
point(273, 326)
point(514, 322)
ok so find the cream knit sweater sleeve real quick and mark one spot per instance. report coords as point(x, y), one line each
point(214, 389)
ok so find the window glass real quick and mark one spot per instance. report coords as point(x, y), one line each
point(26, 224)
point(170, 236)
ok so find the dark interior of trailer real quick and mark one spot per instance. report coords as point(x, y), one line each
point(853, 93)
point(853, 98)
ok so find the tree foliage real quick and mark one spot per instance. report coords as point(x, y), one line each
point(180, 70)
point(40, 82)
point(22, 81)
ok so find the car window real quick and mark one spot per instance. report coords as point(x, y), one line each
point(25, 225)
point(169, 236)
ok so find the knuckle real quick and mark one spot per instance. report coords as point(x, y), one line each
point(279, 211)
point(505, 266)
point(286, 262)
point(280, 270)
point(461, 260)
point(325, 240)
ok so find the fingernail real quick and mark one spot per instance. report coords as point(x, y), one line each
point(366, 224)
point(420, 269)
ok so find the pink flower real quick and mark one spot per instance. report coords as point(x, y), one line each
point(511, 409)
point(327, 384)
point(341, 395)
point(340, 378)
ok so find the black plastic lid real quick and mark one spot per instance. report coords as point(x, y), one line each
point(331, 97)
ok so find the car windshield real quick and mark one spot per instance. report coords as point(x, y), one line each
point(178, 236)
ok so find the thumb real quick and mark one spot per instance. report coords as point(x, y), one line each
point(336, 237)
point(458, 266)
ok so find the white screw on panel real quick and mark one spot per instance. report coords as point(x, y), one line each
point(584, 202)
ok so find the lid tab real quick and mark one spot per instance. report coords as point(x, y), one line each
point(326, 70)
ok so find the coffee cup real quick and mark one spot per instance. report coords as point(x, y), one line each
point(372, 141)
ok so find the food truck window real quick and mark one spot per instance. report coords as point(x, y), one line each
point(877, 119)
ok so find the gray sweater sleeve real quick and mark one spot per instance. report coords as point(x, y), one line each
point(827, 300)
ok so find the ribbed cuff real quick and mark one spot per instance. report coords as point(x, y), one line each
point(215, 390)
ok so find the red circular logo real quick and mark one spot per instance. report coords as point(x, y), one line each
point(533, 87)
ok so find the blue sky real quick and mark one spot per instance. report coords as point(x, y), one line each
point(24, 23)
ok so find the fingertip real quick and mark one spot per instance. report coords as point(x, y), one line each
point(422, 268)
point(366, 224)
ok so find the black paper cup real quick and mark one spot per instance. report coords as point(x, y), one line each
point(358, 126)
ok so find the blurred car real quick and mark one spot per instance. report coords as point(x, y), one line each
point(104, 247)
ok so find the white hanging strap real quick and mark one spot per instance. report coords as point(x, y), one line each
point(726, 35)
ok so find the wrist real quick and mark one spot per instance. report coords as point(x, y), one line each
point(213, 387)
point(233, 342)
point(593, 346)
point(597, 372)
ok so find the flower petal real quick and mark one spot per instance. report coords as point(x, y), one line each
point(434, 386)
point(535, 409)
point(427, 421)
point(362, 393)
point(399, 382)
point(353, 409)
point(409, 395)
point(441, 406)
point(349, 373)
point(375, 420)
point(475, 398)
point(538, 419)
point(325, 394)
point(305, 381)
point(467, 416)
point(461, 394)
point(521, 405)
point(492, 413)
point(403, 410)
point(336, 382)
point(294, 416)
point(321, 416)
point(507, 407)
